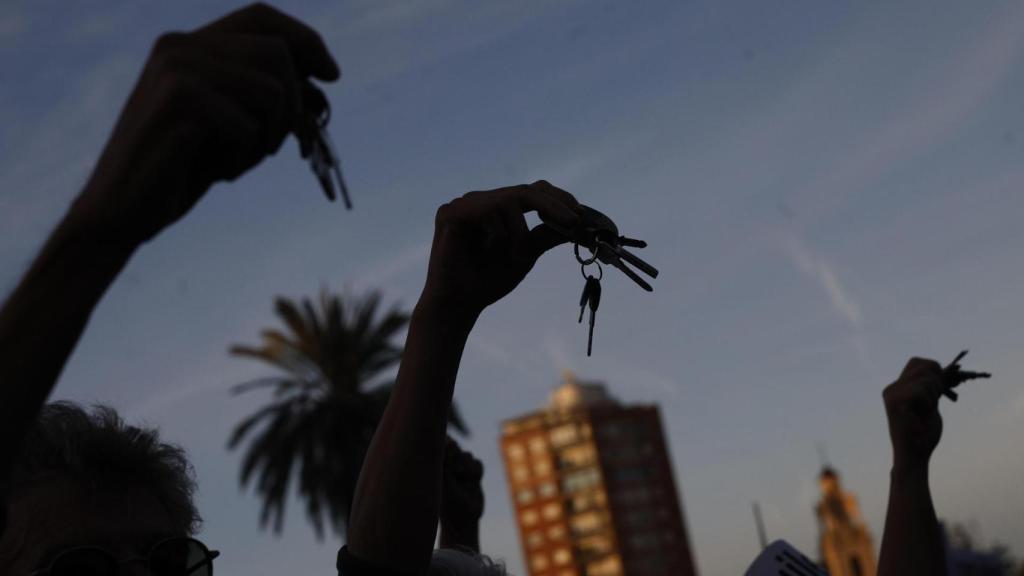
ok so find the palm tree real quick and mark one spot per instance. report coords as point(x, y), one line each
point(326, 403)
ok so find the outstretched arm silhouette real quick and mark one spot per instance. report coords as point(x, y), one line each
point(912, 542)
point(482, 250)
point(209, 105)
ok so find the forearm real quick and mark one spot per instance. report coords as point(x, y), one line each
point(42, 320)
point(395, 508)
point(912, 542)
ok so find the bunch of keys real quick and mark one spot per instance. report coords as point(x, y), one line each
point(597, 233)
point(317, 146)
point(954, 376)
point(591, 296)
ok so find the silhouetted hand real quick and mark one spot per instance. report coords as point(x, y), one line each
point(483, 247)
point(209, 105)
point(912, 405)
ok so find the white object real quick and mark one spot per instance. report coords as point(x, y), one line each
point(781, 559)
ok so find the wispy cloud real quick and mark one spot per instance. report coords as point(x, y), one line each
point(819, 269)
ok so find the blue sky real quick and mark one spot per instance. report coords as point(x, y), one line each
point(828, 189)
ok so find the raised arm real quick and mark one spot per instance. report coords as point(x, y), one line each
point(208, 106)
point(912, 542)
point(482, 249)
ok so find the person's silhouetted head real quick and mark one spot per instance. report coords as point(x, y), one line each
point(88, 479)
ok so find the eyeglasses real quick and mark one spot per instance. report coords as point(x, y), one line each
point(172, 557)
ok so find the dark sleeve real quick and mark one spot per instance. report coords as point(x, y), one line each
point(349, 565)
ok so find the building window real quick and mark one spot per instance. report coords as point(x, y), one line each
point(581, 479)
point(534, 539)
point(634, 497)
point(584, 523)
point(556, 532)
point(563, 435)
point(520, 473)
point(542, 467)
point(640, 517)
point(547, 490)
point(524, 496)
point(610, 566)
point(577, 456)
point(539, 562)
point(528, 517)
point(630, 474)
point(645, 541)
point(552, 510)
point(538, 445)
point(595, 546)
point(515, 451)
point(586, 500)
point(562, 556)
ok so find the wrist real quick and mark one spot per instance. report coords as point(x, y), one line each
point(915, 471)
point(452, 315)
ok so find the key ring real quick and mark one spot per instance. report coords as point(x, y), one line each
point(583, 269)
point(587, 262)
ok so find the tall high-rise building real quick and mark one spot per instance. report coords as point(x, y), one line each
point(846, 547)
point(592, 488)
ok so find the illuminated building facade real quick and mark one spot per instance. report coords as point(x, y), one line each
point(846, 547)
point(592, 488)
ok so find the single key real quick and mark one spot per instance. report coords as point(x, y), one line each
point(316, 145)
point(584, 298)
point(608, 256)
point(332, 164)
point(632, 242)
point(594, 302)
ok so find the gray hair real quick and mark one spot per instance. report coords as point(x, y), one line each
point(97, 451)
point(455, 562)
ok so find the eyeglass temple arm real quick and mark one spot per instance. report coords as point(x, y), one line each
point(213, 555)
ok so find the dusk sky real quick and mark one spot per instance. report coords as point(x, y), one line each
point(827, 188)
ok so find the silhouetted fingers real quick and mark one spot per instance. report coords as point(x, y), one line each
point(561, 195)
point(550, 203)
point(544, 238)
point(310, 54)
